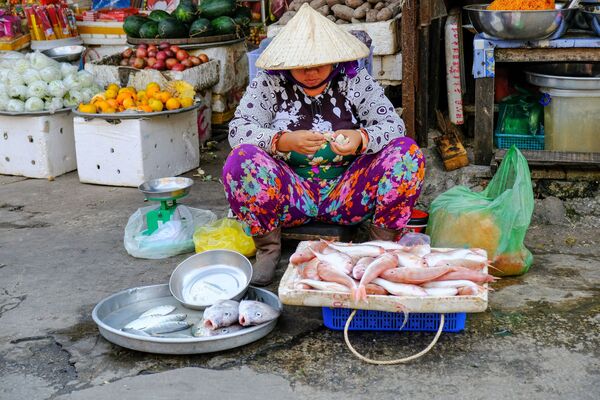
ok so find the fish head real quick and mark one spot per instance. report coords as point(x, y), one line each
point(222, 313)
point(256, 313)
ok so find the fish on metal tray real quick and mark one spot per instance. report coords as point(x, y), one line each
point(167, 327)
point(159, 310)
point(135, 332)
point(256, 313)
point(142, 323)
point(199, 330)
point(222, 313)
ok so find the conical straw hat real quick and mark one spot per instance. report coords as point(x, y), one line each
point(309, 40)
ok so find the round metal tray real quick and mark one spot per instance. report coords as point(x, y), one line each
point(34, 113)
point(114, 312)
point(173, 187)
point(570, 76)
point(140, 115)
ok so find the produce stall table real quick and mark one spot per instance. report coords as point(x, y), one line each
point(571, 47)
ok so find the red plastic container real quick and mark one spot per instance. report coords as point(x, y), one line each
point(417, 222)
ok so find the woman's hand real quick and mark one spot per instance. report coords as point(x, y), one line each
point(349, 149)
point(303, 142)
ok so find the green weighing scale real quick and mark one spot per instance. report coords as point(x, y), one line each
point(167, 191)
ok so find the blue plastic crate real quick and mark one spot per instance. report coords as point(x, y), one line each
point(523, 142)
point(368, 320)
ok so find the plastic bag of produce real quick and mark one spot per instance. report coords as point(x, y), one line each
point(225, 233)
point(495, 219)
point(171, 238)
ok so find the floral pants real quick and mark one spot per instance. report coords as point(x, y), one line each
point(266, 193)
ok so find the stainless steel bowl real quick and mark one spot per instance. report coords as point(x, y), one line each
point(65, 53)
point(592, 17)
point(206, 277)
point(166, 188)
point(570, 76)
point(520, 25)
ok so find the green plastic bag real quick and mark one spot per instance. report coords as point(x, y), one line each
point(495, 219)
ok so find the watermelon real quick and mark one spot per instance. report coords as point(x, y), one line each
point(201, 27)
point(212, 9)
point(149, 30)
point(223, 25)
point(243, 16)
point(185, 12)
point(171, 28)
point(157, 15)
point(132, 25)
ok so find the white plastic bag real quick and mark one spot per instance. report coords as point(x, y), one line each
point(171, 238)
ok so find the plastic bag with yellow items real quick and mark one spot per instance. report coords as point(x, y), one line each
point(225, 233)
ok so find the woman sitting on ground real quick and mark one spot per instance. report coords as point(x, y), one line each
point(315, 138)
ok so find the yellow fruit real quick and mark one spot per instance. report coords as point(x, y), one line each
point(152, 84)
point(113, 86)
point(126, 95)
point(145, 108)
point(128, 102)
point(113, 103)
point(102, 105)
point(110, 94)
point(97, 98)
point(156, 105)
point(87, 108)
point(163, 96)
point(151, 91)
point(173, 104)
point(127, 89)
point(186, 101)
point(110, 110)
point(141, 93)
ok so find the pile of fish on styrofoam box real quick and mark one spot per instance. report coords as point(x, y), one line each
point(37, 146)
point(128, 152)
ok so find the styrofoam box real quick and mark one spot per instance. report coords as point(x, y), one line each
point(129, 152)
point(37, 147)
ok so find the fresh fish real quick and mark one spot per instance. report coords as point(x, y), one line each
point(453, 256)
point(307, 254)
point(256, 313)
point(160, 310)
point(415, 276)
point(357, 250)
point(376, 268)
point(400, 289)
point(167, 327)
point(308, 270)
point(409, 260)
point(420, 251)
point(325, 286)
point(447, 284)
point(330, 274)
point(135, 332)
point(143, 323)
point(201, 331)
point(441, 291)
point(374, 289)
point(336, 260)
point(173, 335)
point(467, 274)
point(359, 269)
point(385, 244)
point(470, 290)
point(222, 313)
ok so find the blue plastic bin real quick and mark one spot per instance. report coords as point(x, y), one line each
point(367, 63)
point(368, 320)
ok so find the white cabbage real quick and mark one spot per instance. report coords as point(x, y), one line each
point(88, 93)
point(85, 79)
point(15, 79)
point(34, 104)
point(49, 74)
point(53, 104)
point(21, 65)
point(4, 103)
point(38, 89)
point(31, 75)
point(41, 61)
point(57, 89)
point(17, 91)
point(71, 81)
point(67, 69)
point(4, 74)
point(73, 98)
point(15, 106)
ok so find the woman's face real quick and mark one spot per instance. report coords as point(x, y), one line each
point(312, 76)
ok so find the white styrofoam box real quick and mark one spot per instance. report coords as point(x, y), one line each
point(129, 152)
point(233, 69)
point(387, 70)
point(37, 147)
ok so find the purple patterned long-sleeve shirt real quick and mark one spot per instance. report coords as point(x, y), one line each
point(273, 103)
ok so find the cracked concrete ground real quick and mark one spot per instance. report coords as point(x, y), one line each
point(61, 252)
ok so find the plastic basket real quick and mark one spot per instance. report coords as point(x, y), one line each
point(523, 142)
point(367, 320)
